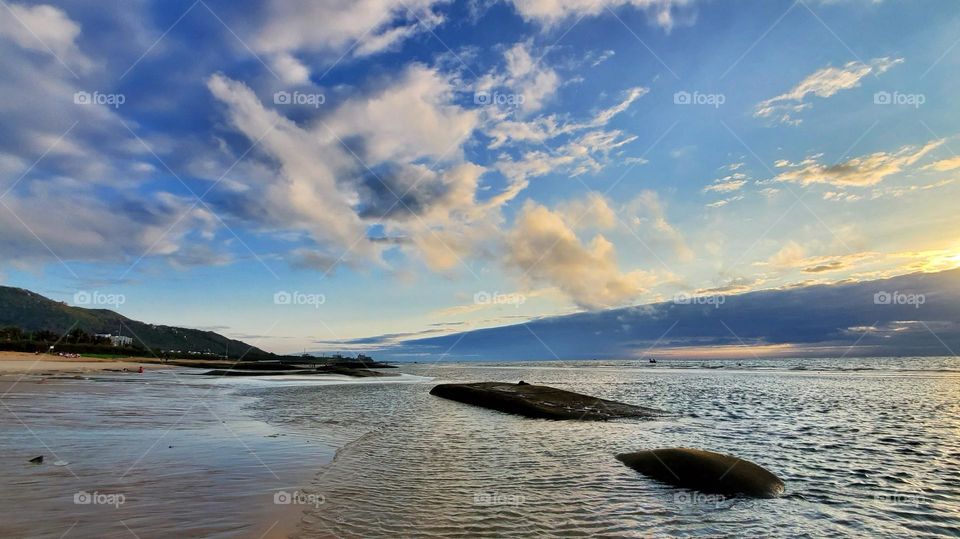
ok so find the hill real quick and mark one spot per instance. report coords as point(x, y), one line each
point(30, 311)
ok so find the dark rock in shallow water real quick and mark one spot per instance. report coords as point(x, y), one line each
point(539, 401)
point(705, 471)
point(37, 460)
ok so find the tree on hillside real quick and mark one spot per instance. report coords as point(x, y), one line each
point(78, 336)
point(45, 335)
point(11, 334)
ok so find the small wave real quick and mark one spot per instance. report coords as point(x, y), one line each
point(295, 380)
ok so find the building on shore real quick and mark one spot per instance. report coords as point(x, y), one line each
point(116, 340)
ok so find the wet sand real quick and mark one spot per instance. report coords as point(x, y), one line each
point(25, 363)
point(158, 454)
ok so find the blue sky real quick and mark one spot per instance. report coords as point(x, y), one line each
point(421, 167)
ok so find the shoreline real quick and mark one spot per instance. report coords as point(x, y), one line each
point(27, 363)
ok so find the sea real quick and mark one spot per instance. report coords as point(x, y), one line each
point(867, 447)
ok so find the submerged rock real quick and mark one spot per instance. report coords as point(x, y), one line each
point(706, 471)
point(539, 401)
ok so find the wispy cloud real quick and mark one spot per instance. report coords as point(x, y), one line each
point(861, 171)
point(822, 83)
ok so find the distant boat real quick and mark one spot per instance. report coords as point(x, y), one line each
point(651, 360)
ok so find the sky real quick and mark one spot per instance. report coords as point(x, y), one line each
point(303, 174)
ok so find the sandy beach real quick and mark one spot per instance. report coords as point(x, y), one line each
point(160, 453)
point(25, 363)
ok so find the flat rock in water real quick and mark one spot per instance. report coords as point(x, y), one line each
point(37, 460)
point(706, 471)
point(539, 401)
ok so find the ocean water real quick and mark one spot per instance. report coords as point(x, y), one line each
point(867, 447)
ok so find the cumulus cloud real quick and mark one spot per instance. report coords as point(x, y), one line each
point(822, 83)
point(529, 77)
point(48, 223)
point(69, 168)
point(546, 249)
point(551, 12)
point(390, 157)
point(45, 29)
point(413, 117)
point(861, 171)
point(305, 194)
point(647, 215)
point(87, 143)
point(590, 212)
point(338, 27)
point(944, 165)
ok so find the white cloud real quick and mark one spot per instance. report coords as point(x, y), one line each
point(305, 195)
point(546, 249)
point(412, 118)
point(726, 184)
point(390, 157)
point(590, 212)
point(339, 27)
point(48, 223)
point(291, 70)
point(794, 256)
point(551, 12)
point(647, 215)
point(861, 171)
point(944, 165)
point(723, 202)
point(543, 128)
point(529, 77)
point(45, 29)
point(822, 83)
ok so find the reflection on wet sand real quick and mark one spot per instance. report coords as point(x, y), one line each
point(155, 455)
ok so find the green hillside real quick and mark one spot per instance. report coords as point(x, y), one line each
point(32, 312)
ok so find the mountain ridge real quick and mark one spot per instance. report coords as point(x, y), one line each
point(30, 311)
